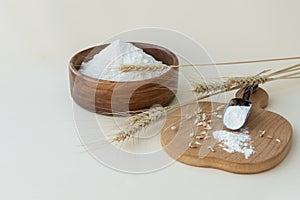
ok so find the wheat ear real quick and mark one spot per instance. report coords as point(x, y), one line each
point(228, 84)
point(140, 121)
point(144, 67)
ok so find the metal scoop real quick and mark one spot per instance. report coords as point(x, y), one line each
point(237, 110)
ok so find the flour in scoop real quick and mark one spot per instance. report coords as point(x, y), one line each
point(235, 116)
point(105, 65)
point(235, 142)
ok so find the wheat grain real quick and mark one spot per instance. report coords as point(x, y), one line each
point(278, 140)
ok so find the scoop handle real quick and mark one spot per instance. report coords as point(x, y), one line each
point(259, 98)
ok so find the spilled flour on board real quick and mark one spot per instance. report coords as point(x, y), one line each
point(232, 142)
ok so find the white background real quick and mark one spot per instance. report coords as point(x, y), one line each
point(40, 156)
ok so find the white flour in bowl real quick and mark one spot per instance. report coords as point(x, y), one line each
point(105, 65)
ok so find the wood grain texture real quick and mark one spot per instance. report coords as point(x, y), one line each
point(269, 151)
point(106, 97)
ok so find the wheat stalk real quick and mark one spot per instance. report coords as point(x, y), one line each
point(159, 67)
point(144, 119)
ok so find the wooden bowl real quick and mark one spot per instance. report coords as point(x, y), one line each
point(109, 97)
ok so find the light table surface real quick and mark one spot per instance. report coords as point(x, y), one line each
point(40, 152)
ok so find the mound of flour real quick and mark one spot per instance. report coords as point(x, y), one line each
point(105, 65)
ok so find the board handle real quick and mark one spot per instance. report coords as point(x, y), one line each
point(259, 98)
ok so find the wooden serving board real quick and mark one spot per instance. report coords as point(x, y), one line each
point(270, 149)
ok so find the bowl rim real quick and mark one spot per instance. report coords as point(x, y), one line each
point(95, 80)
